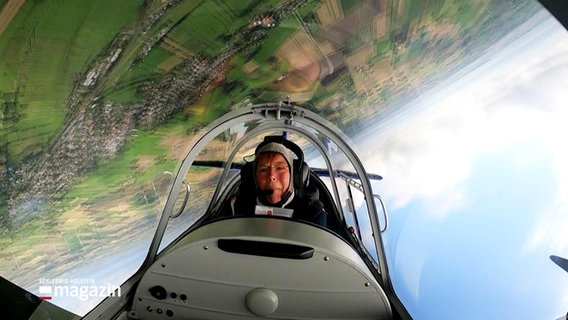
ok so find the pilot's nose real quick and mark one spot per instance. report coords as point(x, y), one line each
point(272, 175)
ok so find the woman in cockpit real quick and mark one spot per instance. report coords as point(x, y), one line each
point(276, 184)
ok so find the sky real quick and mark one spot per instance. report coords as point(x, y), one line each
point(477, 187)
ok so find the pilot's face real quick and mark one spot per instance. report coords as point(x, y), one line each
point(272, 175)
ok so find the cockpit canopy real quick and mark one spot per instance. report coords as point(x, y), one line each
point(197, 228)
point(210, 173)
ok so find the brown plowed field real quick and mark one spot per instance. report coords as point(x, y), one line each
point(8, 13)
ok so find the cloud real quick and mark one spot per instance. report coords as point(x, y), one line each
point(545, 93)
point(549, 231)
point(428, 154)
point(429, 150)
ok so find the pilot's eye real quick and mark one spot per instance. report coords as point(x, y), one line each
point(263, 170)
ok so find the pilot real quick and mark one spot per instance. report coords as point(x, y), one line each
point(276, 190)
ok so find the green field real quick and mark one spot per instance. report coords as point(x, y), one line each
point(35, 84)
point(45, 48)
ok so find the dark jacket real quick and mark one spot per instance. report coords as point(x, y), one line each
point(306, 206)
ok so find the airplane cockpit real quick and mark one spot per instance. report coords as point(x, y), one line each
point(225, 264)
